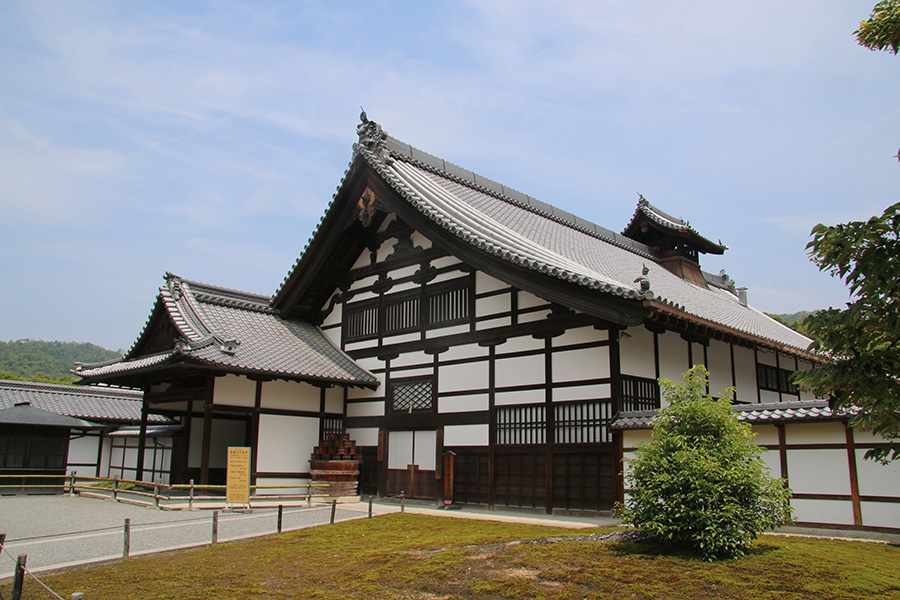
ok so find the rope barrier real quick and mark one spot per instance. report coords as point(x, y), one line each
point(33, 576)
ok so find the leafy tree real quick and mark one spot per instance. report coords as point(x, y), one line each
point(881, 31)
point(700, 482)
point(861, 343)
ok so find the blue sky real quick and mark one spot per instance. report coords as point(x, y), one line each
point(206, 138)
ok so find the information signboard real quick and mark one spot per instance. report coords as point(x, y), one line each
point(237, 490)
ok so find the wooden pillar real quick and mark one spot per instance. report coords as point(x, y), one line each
point(254, 432)
point(207, 430)
point(492, 423)
point(550, 418)
point(615, 378)
point(142, 439)
point(854, 479)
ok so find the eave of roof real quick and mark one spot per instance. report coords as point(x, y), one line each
point(25, 414)
point(237, 332)
point(759, 414)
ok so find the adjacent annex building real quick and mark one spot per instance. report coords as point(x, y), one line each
point(50, 429)
point(483, 347)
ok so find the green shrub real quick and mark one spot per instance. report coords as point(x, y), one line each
point(700, 481)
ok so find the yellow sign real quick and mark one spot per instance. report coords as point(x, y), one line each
point(237, 490)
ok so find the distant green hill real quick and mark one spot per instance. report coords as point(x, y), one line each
point(48, 361)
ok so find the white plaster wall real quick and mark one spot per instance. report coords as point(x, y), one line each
point(880, 514)
point(526, 397)
point(334, 335)
point(766, 358)
point(290, 395)
point(528, 300)
point(234, 390)
point(286, 443)
point(767, 396)
point(445, 331)
point(463, 377)
point(334, 400)
point(815, 433)
point(485, 283)
point(453, 404)
point(745, 374)
point(466, 435)
point(636, 353)
point(818, 471)
point(520, 344)
point(773, 461)
point(540, 315)
point(363, 393)
point(804, 394)
point(787, 362)
point(83, 450)
point(334, 317)
point(838, 512)
point(408, 359)
point(580, 335)
point(386, 249)
point(394, 339)
point(421, 241)
point(521, 370)
point(425, 371)
point(370, 363)
point(673, 356)
point(491, 305)
point(765, 435)
point(400, 449)
point(582, 392)
point(493, 323)
point(364, 436)
point(876, 479)
point(401, 273)
point(463, 351)
point(577, 365)
point(425, 450)
point(366, 409)
point(697, 354)
point(719, 366)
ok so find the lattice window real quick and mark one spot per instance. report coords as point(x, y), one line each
point(412, 396)
point(639, 393)
point(332, 425)
point(401, 315)
point(776, 380)
point(582, 422)
point(524, 424)
point(448, 306)
point(361, 322)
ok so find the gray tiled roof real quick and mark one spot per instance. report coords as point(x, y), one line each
point(93, 403)
point(25, 414)
point(239, 331)
point(516, 228)
point(774, 412)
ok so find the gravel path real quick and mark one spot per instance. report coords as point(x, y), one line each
point(61, 531)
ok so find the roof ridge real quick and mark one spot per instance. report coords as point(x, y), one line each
point(72, 390)
point(507, 194)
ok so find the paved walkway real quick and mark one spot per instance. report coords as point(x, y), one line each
point(62, 531)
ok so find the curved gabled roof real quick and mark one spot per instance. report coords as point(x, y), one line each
point(522, 231)
point(677, 228)
point(237, 332)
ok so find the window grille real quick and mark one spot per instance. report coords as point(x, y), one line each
point(526, 424)
point(582, 422)
point(332, 425)
point(438, 305)
point(412, 396)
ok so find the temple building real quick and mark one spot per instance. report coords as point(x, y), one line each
point(482, 347)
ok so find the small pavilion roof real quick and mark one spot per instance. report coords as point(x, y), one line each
point(25, 414)
point(238, 332)
point(772, 412)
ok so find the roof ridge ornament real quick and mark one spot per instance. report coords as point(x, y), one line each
point(644, 281)
point(373, 138)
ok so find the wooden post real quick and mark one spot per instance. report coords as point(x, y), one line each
point(280, 515)
point(115, 488)
point(402, 502)
point(72, 483)
point(126, 548)
point(191, 496)
point(19, 578)
point(370, 507)
point(156, 494)
point(215, 531)
point(333, 510)
point(2, 541)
